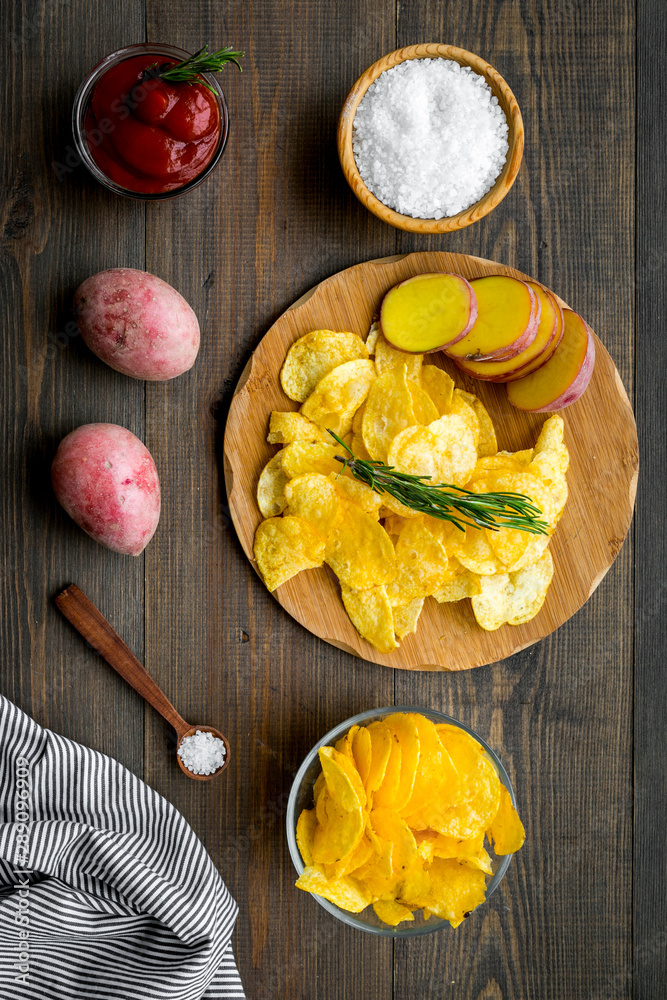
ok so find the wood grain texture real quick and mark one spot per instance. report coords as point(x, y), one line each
point(602, 477)
point(276, 218)
point(650, 702)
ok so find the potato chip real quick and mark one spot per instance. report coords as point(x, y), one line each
point(403, 727)
point(381, 747)
point(462, 405)
point(392, 912)
point(388, 825)
point(305, 831)
point(359, 550)
point(313, 356)
point(424, 409)
point(415, 887)
point(359, 448)
point(372, 338)
point(344, 744)
point(529, 589)
point(337, 397)
point(425, 841)
point(457, 847)
point(406, 617)
point(445, 451)
point(455, 890)
point(505, 461)
point(345, 821)
point(291, 426)
point(271, 487)
point(344, 892)
point(488, 443)
point(390, 505)
point(429, 772)
point(314, 498)
point(506, 830)
point(491, 605)
point(532, 553)
point(284, 546)
point(301, 457)
point(385, 795)
point(358, 419)
point(473, 550)
point(388, 410)
point(481, 861)
point(514, 597)
point(370, 612)
point(421, 564)
point(508, 545)
point(358, 493)
point(439, 386)
point(387, 357)
point(362, 751)
point(352, 861)
point(459, 585)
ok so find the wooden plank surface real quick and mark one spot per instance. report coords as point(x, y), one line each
point(275, 219)
point(650, 703)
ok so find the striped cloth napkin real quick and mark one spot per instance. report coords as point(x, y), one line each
point(105, 891)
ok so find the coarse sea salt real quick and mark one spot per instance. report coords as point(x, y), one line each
point(202, 753)
point(429, 138)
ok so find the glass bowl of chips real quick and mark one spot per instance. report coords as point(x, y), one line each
point(300, 807)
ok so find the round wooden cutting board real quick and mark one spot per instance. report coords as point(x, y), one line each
point(600, 433)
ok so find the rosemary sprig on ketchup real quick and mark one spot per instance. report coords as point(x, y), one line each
point(153, 127)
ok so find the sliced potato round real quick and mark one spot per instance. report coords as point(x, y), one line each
point(313, 356)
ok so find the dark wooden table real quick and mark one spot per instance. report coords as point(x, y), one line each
point(579, 718)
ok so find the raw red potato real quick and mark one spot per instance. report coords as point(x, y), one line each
point(106, 480)
point(547, 338)
point(137, 324)
point(565, 376)
point(508, 316)
point(428, 312)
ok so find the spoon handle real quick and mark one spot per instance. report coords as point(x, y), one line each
point(94, 627)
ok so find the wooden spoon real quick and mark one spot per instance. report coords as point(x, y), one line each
point(94, 627)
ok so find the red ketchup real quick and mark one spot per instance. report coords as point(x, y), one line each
point(149, 135)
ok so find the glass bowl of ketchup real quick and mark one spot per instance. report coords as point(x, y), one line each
point(144, 137)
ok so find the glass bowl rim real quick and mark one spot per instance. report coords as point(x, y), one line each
point(328, 739)
point(80, 106)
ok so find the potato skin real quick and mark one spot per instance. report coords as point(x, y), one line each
point(106, 480)
point(137, 324)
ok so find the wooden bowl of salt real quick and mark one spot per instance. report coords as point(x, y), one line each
point(485, 203)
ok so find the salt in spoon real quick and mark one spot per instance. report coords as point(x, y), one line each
point(94, 627)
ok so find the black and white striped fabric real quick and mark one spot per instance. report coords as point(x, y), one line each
point(105, 891)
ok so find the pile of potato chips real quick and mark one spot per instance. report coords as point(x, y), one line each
point(401, 810)
point(389, 406)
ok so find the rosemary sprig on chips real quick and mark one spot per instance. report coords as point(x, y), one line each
point(445, 501)
point(191, 69)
